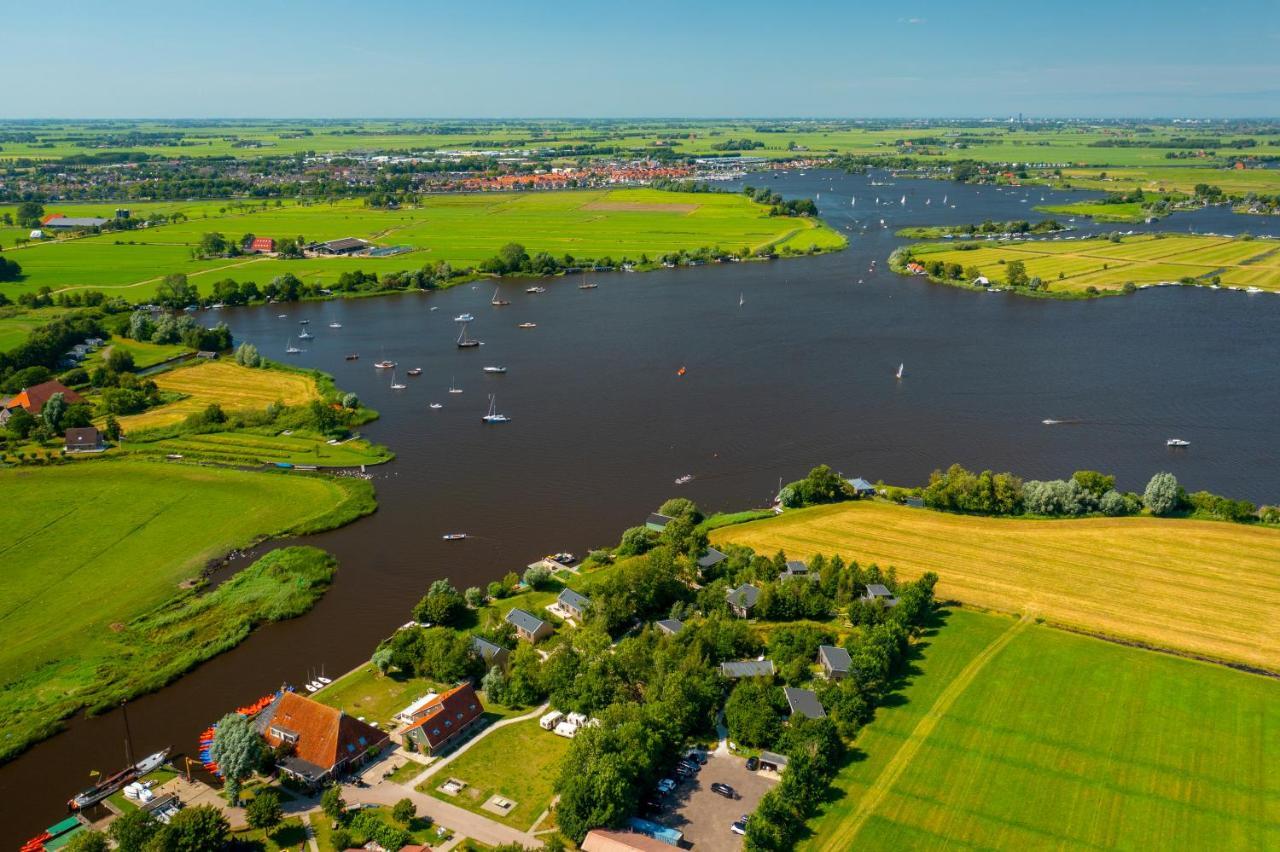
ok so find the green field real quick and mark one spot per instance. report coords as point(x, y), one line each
point(1131, 211)
point(1165, 582)
point(487, 768)
point(88, 547)
point(1016, 736)
point(1072, 266)
point(258, 446)
point(376, 697)
point(461, 229)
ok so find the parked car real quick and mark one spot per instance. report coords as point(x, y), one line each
point(724, 790)
point(683, 771)
point(691, 765)
point(666, 785)
point(739, 827)
point(753, 763)
point(699, 756)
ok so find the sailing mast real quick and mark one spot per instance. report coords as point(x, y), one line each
point(128, 738)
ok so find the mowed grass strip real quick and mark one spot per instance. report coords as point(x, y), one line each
point(1204, 587)
point(226, 383)
point(1061, 741)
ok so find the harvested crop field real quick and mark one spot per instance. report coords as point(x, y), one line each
point(226, 383)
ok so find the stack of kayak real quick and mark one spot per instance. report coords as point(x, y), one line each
point(248, 711)
point(61, 832)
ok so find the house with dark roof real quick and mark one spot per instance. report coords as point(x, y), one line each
point(528, 626)
point(710, 559)
point(861, 488)
point(657, 522)
point(58, 222)
point(32, 399)
point(572, 603)
point(669, 626)
point(795, 568)
point(442, 724)
point(323, 743)
point(747, 668)
point(346, 245)
point(804, 702)
point(879, 592)
point(743, 599)
point(772, 761)
point(492, 653)
point(835, 661)
point(84, 439)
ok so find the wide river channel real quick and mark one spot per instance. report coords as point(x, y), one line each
point(788, 364)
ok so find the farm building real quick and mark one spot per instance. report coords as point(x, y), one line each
point(58, 222)
point(442, 724)
point(573, 604)
point(33, 399)
point(262, 245)
point(492, 653)
point(747, 668)
point(346, 245)
point(835, 661)
point(324, 742)
point(528, 626)
point(804, 702)
point(84, 439)
point(878, 592)
point(861, 488)
point(743, 599)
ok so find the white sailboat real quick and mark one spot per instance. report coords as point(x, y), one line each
point(493, 416)
point(291, 350)
point(395, 385)
point(741, 299)
point(903, 202)
point(453, 386)
point(899, 373)
point(853, 202)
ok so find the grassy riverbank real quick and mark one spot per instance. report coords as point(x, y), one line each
point(463, 229)
point(1169, 583)
point(1012, 735)
point(91, 547)
point(1098, 211)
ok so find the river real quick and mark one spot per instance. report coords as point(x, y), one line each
point(801, 373)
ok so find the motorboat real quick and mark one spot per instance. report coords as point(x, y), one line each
point(335, 325)
point(304, 322)
point(435, 405)
point(589, 285)
point(527, 325)
point(354, 356)
point(415, 371)
point(495, 369)
point(454, 536)
point(306, 335)
point(384, 364)
point(681, 480)
point(1177, 442)
point(463, 318)
point(535, 289)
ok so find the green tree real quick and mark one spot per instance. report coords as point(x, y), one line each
point(120, 360)
point(264, 811)
point(202, 828)
point(331, 802)
point(88, 841)
point(1162, 494)
point(52, 412)
point(133, 830)
point(441, 605)
point(753, 712)
point(237, 749)
point(404, 811)
point(635, 541)
point(175, 291)
point(1015, 274)
point(474, 596)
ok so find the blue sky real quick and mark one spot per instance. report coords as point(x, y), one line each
point(137, 58)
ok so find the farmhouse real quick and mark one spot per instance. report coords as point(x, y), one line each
point(442, 724)
point(84, 439)
point(804, 702)
point(835, 661)
point(528, 626)
point(492, 653)
point(262, 245)
point(743, 599)
point(32, 399)
point(747, 668)
point(573, 604)
point(323, 742)
point(669, 626)
point(878, 592)
point(657, 522)
point(346, 245)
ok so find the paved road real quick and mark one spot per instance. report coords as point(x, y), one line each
point(462, 821)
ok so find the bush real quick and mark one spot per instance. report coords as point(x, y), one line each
point(635, 541)
point(405, 811)
point(1161, 496)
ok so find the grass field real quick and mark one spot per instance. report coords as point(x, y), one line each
point(1017, 736)
point(1132, 211)
point(257, 446)
point(462, 229)
point(1071, 266)
point(226, 383)
point(1204, 587)
point(89, 547)
point(377, 697)
point(487, 769)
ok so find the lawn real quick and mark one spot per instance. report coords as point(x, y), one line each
point(17, 322)
point(226, 383)
point(1205, 587)
point(1071, 266)
point(1017, 736)
point(290, 834)
point(259, 446)
point(90, 547)
point(1133, 211)
point(489, 770)
point(462, 229)
point(376, 697)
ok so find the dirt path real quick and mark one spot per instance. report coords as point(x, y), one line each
point(879, 789)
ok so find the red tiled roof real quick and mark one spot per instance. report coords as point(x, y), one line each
point(34, 397)
point(263, 244)
point(451, 712)
point(326, 735)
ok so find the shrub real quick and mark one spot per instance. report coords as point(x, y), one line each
point(1162, 494)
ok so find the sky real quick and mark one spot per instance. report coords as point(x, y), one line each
point(401, 58)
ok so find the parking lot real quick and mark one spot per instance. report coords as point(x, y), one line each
point(704, 816)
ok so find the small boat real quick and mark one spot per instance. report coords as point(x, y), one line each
point(495, 369)
point(435, 307)
point(535, 289)
point(496, 302)
point(292, 350)
point(493, 416)
point(415, 371)
point(335, 325)
point(563, 558)
point(323, 679)
point(899, 373)
point(1049, 422)
point(463, 318)
point(354, 356)
point(454, 536)
point(681, 480)
point(465, 342)
point(306, 335)
point(282, 316)
point(396, 385)
point(435, 405)
point(588, 285)
point(311, 687)
point(304, 322)
point(453, 386)
point(680, 372)
point(384, 364)
point(742, 299)
point(1177, 442)
point(527, 325)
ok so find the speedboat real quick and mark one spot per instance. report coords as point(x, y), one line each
point(454, 536)
point(335, 325)
point(415, 371)
point(304, 322)
point(354, 356)
point(463, 318)
point(535, 289)
point(527, 325)
point(384, 364)
point(681, 480)
point(435, 405)
point(588, 286)
point(495, 369)
point(1177, 442)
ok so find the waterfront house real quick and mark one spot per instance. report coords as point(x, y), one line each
point(747, 668)
point(743, 599)
point(32, 399)
point(323, 743)
point(442, 724)
point(804, 702)
point(669, 626)
point(657, 522)
point(492, 653)
point(573, 604)
point(861, 488)
point(835, 661)
point(878, 592)
point(528, 626)
point(84, 439)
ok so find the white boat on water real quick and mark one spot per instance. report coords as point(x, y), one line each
point(306, 335)
point(495, 369)
point(463, 318)
point(335, 325)
point(304, 322)
point(681, 480)
point(435, 406)
point(396, 385)
point(384, 364)
point(453, 386)
point(454, 536)
point(493, 416)
point(1177, 442)
point(900, 369)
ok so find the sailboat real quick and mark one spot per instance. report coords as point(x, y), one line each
point(899, 373)
point(495, 301)
point(114, 782)
point(903, 202)
point(305, 335)
point(465, 342)
point(453, 386)
point(291, 350)
point(395, 385)
point(741, 300)
point(944, 199)
point(493, 416)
